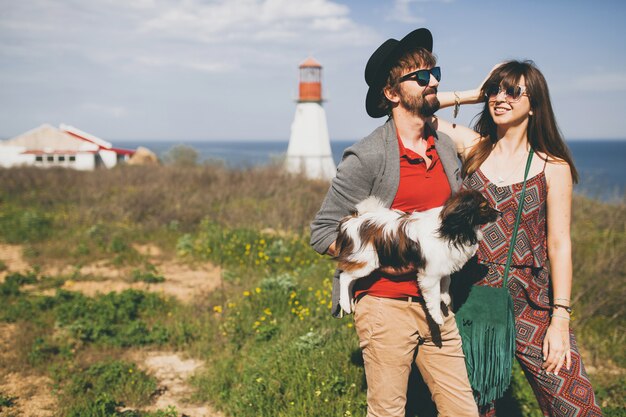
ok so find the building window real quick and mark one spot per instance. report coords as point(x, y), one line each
point(72, 158)
point(38, 158)
point(61, 158)
point(50, 158)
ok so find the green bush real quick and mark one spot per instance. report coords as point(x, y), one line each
point(148, 274)
point(122, 319)
point(24, 226)
point(13, 282)
point(247, 248)
point(181, 156)
point(6, 401)
point(101, 388)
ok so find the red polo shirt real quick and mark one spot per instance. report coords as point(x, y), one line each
point(421, 188)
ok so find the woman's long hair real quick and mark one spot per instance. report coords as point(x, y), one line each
point(543, 133)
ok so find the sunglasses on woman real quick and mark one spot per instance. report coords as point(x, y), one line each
point(422, 76)
point(512, 94)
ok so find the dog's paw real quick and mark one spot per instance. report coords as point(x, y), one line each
point(438, 318)
point(346, 305)
point(445, 297)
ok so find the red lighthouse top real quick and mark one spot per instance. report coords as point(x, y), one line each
point(310, 81)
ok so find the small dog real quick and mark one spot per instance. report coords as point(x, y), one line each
point(436, 242)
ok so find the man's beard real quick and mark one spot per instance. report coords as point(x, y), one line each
point(423, 106)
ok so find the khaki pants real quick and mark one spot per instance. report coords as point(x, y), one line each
point(394, 333)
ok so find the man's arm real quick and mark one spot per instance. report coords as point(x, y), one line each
point(352, 184)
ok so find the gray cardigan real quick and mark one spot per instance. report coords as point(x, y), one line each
point(370, 167)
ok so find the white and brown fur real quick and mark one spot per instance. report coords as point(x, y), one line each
point(437, 242)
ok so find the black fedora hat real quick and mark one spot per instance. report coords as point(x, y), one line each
point(381, 61)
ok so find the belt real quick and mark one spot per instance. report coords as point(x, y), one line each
point(412, 298)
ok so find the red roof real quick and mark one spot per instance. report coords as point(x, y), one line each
point(310, 62)
point(121, 151)
point(116, 150)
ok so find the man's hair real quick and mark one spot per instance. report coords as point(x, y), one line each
point(410, 60)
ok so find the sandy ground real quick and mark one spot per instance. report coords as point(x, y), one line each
point(181, 281)
point(172, 373)
point(31, 393)
point(11, 256)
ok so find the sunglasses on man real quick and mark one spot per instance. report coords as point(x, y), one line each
point(422, 76)
point(512, 94)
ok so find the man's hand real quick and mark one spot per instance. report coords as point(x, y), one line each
point(332, 249)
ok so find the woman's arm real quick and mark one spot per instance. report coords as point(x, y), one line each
point(473, 96)
point(463, 137)
point(559, 206)
point(449, 98)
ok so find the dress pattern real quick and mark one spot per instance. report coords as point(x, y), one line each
point(570, 393)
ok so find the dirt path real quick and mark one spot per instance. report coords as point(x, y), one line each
point(11, 257)
point(185, 282)
point(30, 393)
point(181, 281)
point(172, 374)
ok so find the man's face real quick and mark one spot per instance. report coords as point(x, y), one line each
point(419, 100)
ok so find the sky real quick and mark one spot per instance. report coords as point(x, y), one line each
point(203, 70)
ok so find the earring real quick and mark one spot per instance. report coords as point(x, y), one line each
point(530, 113)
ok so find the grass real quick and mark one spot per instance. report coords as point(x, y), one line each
point(266, 335)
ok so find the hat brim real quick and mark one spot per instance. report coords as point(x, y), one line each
point(419, 38)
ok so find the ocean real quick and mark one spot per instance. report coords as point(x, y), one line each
point(600, 163)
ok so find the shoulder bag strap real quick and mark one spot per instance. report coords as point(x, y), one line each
point(517, 220)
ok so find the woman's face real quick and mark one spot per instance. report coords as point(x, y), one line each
point(509, 106)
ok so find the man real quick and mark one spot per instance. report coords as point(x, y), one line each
point(409, 167)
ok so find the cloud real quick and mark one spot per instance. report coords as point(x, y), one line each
point(402, 11)
point(213, 36)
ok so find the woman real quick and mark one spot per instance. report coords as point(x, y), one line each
point(516, 117)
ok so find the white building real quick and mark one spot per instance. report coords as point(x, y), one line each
point(47, 146)
point(309, 151)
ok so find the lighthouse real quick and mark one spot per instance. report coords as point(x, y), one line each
point(309, 150)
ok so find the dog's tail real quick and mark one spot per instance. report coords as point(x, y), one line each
point(370, 204)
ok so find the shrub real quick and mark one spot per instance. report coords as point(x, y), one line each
point(113, 319)
point(24, 226)
point(149, 274)
point(13, 282)
point(181, 156)
point(6, 401)
point(102, 387)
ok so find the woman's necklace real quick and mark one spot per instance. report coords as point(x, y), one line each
point(500, 179)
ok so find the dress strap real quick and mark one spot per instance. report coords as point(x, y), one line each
point(545, 162)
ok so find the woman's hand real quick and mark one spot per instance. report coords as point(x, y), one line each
point(556, 347)
point(480, 86)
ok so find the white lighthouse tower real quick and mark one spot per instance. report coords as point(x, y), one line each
point(309, 150)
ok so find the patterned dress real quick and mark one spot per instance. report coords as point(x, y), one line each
point(569, 393)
